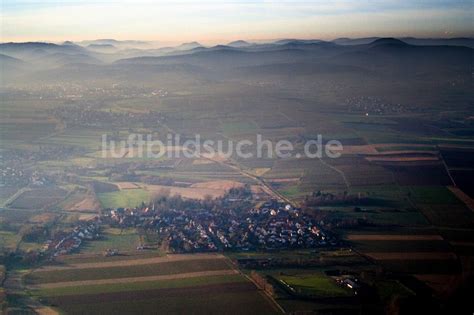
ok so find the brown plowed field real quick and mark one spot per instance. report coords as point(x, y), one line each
point(385, 237)
point(135, 262)
point(412, 256)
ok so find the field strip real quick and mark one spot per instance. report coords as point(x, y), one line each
point(343, 175)
point(395, 152)
point(441, 283)
point(401, 159)
point(134, 279)
point(460, 243)
point(388, 237)
point(284, 180)
point(187, 192)
point(412, 256)
point(14, 196)
point(468, 201)
point(134, 262)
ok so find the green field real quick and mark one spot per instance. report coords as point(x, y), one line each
point(87, 138)
point(97, 257)
point(9, 240)
point(380, 216)
point(25, 131)
point(316, 284)
point(128, 198)
point(388, 288)
point(290, 191)
point(122, 240)
point(432, 195)
point(238, 127)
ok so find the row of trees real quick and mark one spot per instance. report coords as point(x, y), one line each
point(238, 198)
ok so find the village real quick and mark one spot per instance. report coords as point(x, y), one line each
point(274, 225)
point(66, 242)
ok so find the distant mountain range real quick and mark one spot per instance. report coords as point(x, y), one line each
point(462, 41)
point(187, 46)
point(285, 56)
point(239, 43)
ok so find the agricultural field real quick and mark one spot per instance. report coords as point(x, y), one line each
point(419, 249)
point(232, 128)
point(38, 198)
point(9, 239)
point(195, 191)
point(2, 290)
point(464, 180)
point(448, 215)
point(96, 275)
point(81, 200)
point(317, 285)
point(198, 284)
point(6, 193)
point(123, 240)
point(89, 139)
point(421, 175)
point(26, 131)
point(234, 298)
point(432, 195)
point(124, 198)
point(389, 208)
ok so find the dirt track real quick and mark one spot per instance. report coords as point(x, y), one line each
point(218, 184)
point(468, 201)
point(134, 262)
point(134, 279)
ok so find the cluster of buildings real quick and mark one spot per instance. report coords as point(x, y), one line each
point(16, 170)
point(349, 282)
point(13, 176)
point(74, 91)
point(17, 176)
point(66, 242)
point(89, 116)
point(274, 225)
point(374, 105)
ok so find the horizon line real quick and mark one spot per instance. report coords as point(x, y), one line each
point(256, 41)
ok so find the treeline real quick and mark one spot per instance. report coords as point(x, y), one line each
point(321, 198)
point(237, 198)
point(147, 179)
point(262, 283)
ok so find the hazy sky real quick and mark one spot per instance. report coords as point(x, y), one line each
point(213, 20)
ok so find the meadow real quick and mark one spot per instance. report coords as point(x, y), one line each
point(124, 198)
point(122, 240)
point(316, 285)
